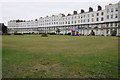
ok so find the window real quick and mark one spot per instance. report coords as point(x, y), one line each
point(68, 22)
point(107, 16)
point(88, 15)
point(75, 21)
point(97, 19)
point(88, 20)
point(92, 20)
point(92, 15)
point(115, 24)
point(111, 24)
point(81, 16)
point(102, 19)
point(107, 25)
point(97, 14)
point(111, 16)
point(102, 13)
point(88, 26)
point(116, 9)
point(75, 17)
point(84, 16)
point(116, 16)
point(84, 20)
point(107, 10)
point(72, 22)
point(111, 9)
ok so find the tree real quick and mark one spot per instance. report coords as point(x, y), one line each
point(3, 28)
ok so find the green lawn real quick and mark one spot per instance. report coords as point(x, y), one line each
point(32, 56)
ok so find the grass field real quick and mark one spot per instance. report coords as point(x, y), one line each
point(32, 56)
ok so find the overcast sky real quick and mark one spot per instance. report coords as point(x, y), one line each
point(34, 9)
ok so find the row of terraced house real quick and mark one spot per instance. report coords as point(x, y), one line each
point(102, 22)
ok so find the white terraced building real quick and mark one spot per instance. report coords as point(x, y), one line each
point(102, 22)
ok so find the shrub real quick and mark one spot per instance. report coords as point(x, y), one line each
point(6, 34)
point(53, 33)
point(61, 34)
point(18, 34)
point(82, 34)
point(102, 35)
point(113, 33)
point(40, 33)
point(26, 33)
point(69, 34)
point(44, 35)
point(33, 33)
point(92, 33)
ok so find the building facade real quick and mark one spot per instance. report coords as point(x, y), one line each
point(102, 22)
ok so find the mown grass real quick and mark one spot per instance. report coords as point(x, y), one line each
point(32, 56)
